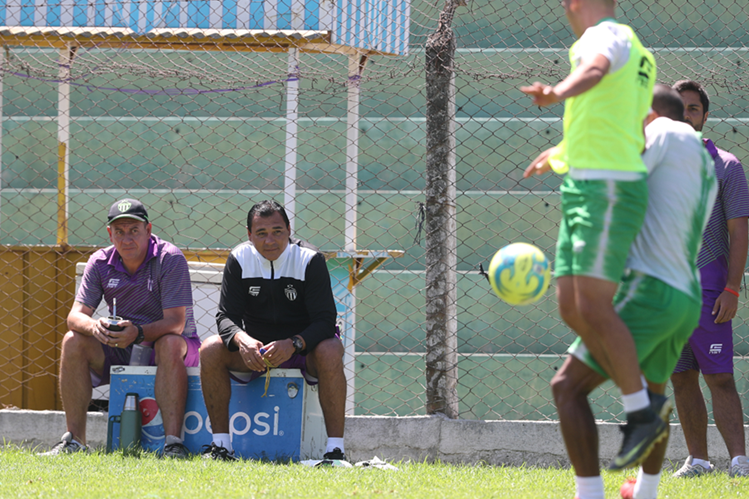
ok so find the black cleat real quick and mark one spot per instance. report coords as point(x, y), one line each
point(330, 458)
point(217, 453)
point(644, 429)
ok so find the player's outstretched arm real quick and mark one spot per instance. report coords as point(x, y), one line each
point(583, 78)
point(586, 76)
point(543, 95)
point(541, 164)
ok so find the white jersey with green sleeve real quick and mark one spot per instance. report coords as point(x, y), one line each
point(682, 189)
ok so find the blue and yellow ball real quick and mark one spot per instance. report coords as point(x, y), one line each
point(520, 273)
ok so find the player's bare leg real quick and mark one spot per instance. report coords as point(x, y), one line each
point(80, 354)
point(325, 363)
point(727, 411)
point(170, 386)
point(690, 405)
point(571, 386)
point(609, 341)
point(568, 310)
point(606, 335)
point(215, 363)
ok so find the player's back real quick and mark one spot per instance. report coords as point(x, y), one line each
point(682, 190)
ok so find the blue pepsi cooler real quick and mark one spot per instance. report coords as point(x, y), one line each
point(285, 424)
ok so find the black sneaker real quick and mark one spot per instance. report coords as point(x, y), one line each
point(335, 455)
point(176, 450)
point(217, 453)
point(333, 458)
point(643, 430)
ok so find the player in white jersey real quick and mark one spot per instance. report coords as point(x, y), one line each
point(659, 297)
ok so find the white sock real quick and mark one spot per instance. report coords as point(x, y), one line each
point(171, 439)
point(636, 401)
point(703, 463)
point(589, 487)
point(333, 443)
point(223, 440)
point(646, 486)
point(734, 461)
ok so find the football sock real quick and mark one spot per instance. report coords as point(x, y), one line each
point(734, 461)
point(636, 401)
point(171, 439)
point(646, 486)
point(223, 440)
point(589, 487)
point(333, 443)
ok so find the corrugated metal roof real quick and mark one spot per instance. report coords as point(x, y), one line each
point(374, 26)
point(168, 37)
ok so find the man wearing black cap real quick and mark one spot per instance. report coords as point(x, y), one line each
point(150, 281)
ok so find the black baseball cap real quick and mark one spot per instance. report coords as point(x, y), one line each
point(127, 208)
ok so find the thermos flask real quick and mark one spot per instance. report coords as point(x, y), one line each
point(130, 424)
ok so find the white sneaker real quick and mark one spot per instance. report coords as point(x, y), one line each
point(691, 470)
point(740, 469)
point(66, 446)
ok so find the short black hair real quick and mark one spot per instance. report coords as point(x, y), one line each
point(684, 85)
point(667, 102)
point(265, 209)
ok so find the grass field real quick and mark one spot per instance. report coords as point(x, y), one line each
point(23, 474)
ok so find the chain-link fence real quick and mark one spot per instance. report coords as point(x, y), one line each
point(200, 124)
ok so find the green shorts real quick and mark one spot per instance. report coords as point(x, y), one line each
point(661, 320)
point(600, 220)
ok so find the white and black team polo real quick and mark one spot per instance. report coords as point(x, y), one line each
point(275, 300)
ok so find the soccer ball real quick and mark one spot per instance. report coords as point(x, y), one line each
point(519, 273)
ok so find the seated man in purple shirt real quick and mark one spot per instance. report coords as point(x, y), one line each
point(710, 349)
point(150, 281)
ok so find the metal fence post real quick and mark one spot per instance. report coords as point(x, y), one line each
point(441, 245)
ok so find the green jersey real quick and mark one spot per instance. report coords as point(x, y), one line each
point(603, 127)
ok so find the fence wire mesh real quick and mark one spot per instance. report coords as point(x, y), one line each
point(199, 131)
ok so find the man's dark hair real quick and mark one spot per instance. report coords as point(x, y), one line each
point(667, 102)
point(683, 85)
point(265, 209)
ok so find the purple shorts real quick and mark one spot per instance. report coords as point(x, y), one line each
point(710, 348)
point(295, 362)
point(121, 357)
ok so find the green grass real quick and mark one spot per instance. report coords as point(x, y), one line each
point(23, 474)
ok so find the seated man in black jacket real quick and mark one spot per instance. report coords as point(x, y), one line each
point(277, 306)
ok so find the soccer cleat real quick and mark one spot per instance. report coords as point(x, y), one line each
point(66, 446)
point(690, 470)
point(176, 450)
point(627, 490)
point(217, 453)
point(661, 405)
point(644, 429)
point(740, 469)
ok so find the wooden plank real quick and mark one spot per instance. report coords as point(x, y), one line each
point(11, 327)
point(41, 322)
